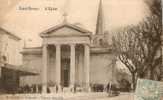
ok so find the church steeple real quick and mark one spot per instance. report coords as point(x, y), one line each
point(100, 23)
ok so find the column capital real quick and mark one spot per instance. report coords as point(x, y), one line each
point(86, 45)
point(72, 44)
point(44, 45)
point(57, 44)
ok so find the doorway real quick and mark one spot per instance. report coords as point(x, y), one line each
point(65, 72)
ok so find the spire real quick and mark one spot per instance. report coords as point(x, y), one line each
point(100, 23)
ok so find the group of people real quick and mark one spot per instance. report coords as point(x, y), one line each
point(109, 88)
point(30, 89)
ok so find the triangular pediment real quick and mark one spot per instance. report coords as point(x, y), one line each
point(65, 30)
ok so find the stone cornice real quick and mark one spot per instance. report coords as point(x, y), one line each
point(10, 34)
point(100, 50)
point(34, 50)
point(93, 50)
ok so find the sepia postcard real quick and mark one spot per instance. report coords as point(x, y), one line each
point(81, 50)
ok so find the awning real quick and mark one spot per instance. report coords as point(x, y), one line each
point(22, 71)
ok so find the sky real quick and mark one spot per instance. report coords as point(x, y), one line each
point(27, 24)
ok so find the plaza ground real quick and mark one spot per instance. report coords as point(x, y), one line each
point(103, 96)
point(68, 96)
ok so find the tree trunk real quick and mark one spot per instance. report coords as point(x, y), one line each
point(133, 81)
point(151, 73)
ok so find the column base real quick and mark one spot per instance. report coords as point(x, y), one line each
point(44, 89)
point(59, 89)
point(87, 89)
point(72, 88)
point(37, 89)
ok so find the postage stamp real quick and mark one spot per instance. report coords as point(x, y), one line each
point(148, 90)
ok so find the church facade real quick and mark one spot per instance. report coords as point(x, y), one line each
point(70, 56)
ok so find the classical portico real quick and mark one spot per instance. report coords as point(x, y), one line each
point(66, 40)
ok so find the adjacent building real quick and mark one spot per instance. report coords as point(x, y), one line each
point(10, 47)
point(11, 68)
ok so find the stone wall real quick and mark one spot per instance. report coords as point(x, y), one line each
point(100, 69)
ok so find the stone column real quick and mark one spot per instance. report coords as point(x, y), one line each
point(44, 69)
point(37, 89)
point(87, 66)
point(58, 67)
point(72, 66)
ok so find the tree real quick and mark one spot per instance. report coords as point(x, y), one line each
point(139, 47)
point(149, 36)
point(127, 48)
point(151, 30)
point(156, 9)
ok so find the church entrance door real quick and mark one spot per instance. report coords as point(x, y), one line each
point(65, 74)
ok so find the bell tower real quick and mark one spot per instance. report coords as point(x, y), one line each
point(98, 39)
